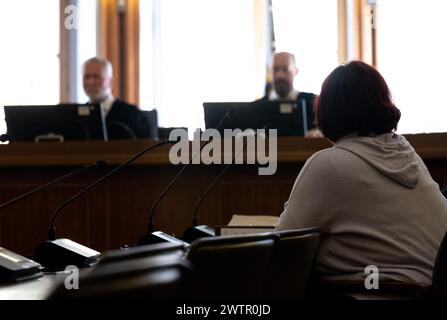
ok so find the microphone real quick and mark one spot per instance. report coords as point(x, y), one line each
point(156, 237)
point(4, 137)
point(51, 183)
point(62, 252)
point(196, 231)
point(14, 267)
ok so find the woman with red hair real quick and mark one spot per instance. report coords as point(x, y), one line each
point(371, 194)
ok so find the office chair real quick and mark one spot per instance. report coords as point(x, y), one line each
point(439, 279)
point(163, 133)
point(291, 266)
point(117, 130)
point(152, 117)
point(154, 278)
point(126, 253)
point(230, 267)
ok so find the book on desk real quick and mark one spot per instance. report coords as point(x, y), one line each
point(247, 224)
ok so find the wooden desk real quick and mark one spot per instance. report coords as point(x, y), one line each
point(116, 212)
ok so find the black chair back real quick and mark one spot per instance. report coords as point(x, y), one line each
point(292, 263)
point(439, 280)
point(117, 130)
point(154, 278)
point(164, 248)
point(152, 117)
point(230, 267)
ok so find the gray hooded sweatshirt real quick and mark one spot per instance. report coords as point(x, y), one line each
point(376, 204)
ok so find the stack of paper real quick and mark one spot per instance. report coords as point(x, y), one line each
point(249, 220)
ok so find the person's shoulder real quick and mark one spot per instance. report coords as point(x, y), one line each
point(320, 158)
point(329, 158)
point(121, 106)
point(330, 162)
point(324, 154)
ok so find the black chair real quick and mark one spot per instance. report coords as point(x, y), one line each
point(154, 278)
point(291, 266)
point(126, 253)
point(230, 267)
point(117, 130)
point(439, 279)
point(163, 133)
point(152, 117)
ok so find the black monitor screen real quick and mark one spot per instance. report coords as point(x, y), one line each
point(289, 118)
point(64, 122)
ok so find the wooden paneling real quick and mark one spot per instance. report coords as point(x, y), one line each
point(116, 212)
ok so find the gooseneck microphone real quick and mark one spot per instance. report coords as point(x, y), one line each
point(52, 229)
point(51, 183)
point(196, 231)
point(14, 267)
point(151, 225)
point(195, 220)
point(149, 238)
point(56, 254)
point(4, 137)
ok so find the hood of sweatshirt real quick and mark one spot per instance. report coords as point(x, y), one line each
point(389, 153)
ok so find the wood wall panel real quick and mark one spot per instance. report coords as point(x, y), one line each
point(116, 212)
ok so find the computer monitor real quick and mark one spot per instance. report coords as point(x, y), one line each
point(288, 117)
point(63, 122)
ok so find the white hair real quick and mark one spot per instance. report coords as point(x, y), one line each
point(105, 63)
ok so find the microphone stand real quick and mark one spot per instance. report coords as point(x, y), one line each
point(197, 231)
point(150, 237)
point(51, 183)
point(57, 254)
point(14, 267)
point(52, 229)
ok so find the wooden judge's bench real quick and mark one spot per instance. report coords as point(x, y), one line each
point(116, 212)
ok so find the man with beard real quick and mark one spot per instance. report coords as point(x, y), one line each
point(124, 121)
point(283, 72)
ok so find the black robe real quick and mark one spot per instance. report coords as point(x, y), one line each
point(126, 121)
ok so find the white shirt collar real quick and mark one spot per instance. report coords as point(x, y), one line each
point(292, 96)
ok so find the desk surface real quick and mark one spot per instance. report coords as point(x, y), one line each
point(290, 149)
point(35, 289)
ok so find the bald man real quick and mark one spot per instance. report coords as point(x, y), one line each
point(284, 71)
point(124, 121)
